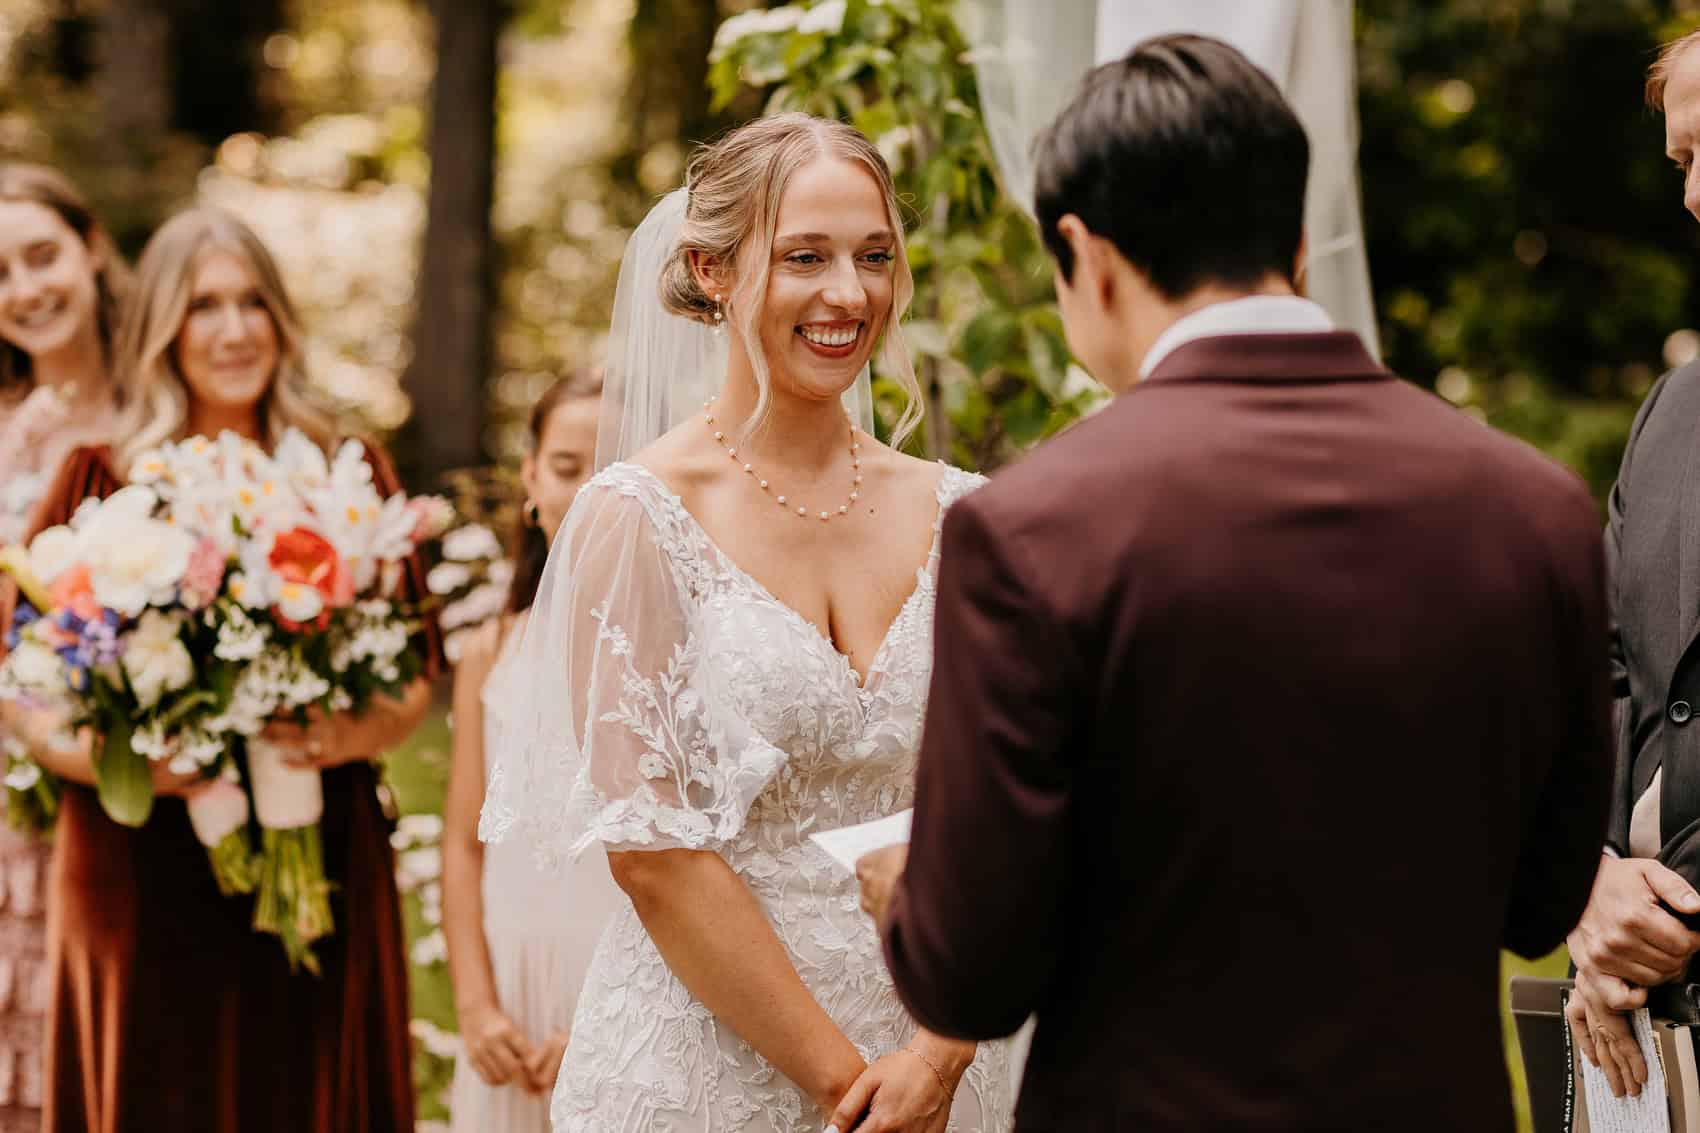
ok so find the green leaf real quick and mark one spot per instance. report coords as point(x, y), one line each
point(763, 60)
point(1025, 416)
point(724, 82)
point(803, 50)
point(988, 338)
point(124, 779)
point(877, 119)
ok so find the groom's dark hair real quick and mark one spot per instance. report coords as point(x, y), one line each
point(1184, 156)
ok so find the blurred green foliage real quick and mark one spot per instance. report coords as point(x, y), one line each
point(1526, 234)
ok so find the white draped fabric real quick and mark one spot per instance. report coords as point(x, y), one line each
point(1030, 56)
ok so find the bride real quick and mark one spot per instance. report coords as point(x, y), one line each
point(730, 651)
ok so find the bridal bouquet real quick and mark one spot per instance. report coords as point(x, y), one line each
point(224, 588)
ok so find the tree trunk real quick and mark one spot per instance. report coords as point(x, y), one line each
point(219, 80)
point(667, 91)
point(134, 80)
point(451, 340)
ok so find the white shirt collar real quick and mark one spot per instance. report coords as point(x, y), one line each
point(1254, 314)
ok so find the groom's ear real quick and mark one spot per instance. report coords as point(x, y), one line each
point(1094, 260)
point(711, 274)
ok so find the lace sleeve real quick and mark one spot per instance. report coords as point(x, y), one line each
point(601, 731)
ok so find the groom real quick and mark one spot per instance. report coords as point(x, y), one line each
point(1268, 703)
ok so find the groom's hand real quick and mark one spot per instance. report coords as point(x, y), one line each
point(878, 872)
point(1625, 932)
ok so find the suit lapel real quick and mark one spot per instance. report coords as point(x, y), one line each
point(1688, 567)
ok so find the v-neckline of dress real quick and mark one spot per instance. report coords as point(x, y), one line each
point(861, 681)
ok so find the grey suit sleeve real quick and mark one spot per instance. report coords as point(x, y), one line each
point(1618, 506)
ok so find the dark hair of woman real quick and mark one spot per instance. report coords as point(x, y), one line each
point(530, 545)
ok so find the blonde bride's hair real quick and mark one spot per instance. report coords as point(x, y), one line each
point(153, 394)
point(734, 188)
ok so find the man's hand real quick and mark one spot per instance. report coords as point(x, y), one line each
point(1604, 1037)
point(1626, 935)
point(878, 872)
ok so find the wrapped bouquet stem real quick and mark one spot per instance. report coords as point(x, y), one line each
point(219, 814)
point(293, 899)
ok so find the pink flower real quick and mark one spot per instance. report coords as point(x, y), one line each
point(73, 591)
point(205, 575)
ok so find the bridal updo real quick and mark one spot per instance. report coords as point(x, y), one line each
point(734, 187)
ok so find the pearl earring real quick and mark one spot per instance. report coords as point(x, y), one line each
point(719, 316)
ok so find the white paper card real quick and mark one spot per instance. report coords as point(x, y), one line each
point(1648, 1113)
point(848, 843)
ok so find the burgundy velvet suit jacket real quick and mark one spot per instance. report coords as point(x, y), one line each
point(1268, 704)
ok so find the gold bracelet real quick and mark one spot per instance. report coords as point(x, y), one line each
point(937, 1073)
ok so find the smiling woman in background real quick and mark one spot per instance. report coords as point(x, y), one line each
point(168, 1011)
point(61, 286)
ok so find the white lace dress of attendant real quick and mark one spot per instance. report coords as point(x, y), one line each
point(694, 709)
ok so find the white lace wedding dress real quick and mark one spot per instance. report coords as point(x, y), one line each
point(705, 713)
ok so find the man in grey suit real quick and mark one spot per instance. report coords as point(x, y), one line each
point(1637, 931)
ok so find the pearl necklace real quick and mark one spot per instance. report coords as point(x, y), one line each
point(802, 512)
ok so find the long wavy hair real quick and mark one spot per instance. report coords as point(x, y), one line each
point(37, 184)
point(735, 186)
point(530, 545)
point(152, 392)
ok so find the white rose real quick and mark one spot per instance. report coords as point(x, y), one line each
point(52, 553)
point(155, 658)
point(135, 561)
point(135, 501)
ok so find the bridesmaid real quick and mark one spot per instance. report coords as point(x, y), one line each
point(61, 286)
point(519, 940)
point(167, 1010)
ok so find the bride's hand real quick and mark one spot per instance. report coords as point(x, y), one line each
point(900, 1093)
